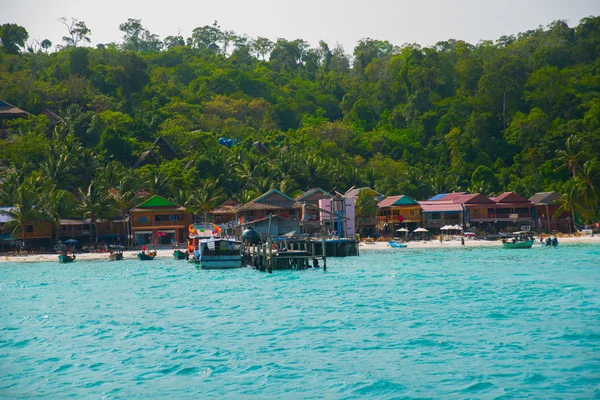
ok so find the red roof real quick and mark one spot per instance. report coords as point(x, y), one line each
point(451, 196)
point(472, 199)
point(510, 197)
point(439, 206)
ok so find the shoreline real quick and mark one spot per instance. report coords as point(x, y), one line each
point(378, 246)
point(435, 244)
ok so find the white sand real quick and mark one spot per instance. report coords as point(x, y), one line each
point(471, 243)
point(167, 253)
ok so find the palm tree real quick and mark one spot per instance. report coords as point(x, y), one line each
point(572, 155)
point(23, 212)
point(365, 206)
point(11, 179)
point(205, 198)
point(570, 201)
point(125, 196)
point(590, 179)
point(55, 204)
point(94, 203)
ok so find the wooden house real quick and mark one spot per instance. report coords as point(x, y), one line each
point(366, 224)
point(545, 206)
point(158, 221)
point(165, 150)
point(272, 202)
point(512, 210)
point(395, 212)
point(40, 232)
point(225, 213)
point(279, 226)
point(309, 202)
point(437, 213)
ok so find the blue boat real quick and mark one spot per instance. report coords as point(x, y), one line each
point(396, 245)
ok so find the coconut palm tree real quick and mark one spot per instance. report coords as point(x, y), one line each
point(570, 201)
point(11, 179)
point(205, 198)
point(572, 155)
point(54, 205)
point(365, 207)
point(23, 212)
point(94, 203)
point(125, 195)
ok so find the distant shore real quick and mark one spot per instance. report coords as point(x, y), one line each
point(168, 253)
point(435, 244)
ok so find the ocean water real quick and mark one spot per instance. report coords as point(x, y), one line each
point(402, 323)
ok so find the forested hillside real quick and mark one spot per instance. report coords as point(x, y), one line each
point(521, 113)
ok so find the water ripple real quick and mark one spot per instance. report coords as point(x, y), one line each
point(447, 323)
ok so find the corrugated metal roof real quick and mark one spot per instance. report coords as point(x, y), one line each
point(545, 198)
point(439, 206)
point(401, 200)
point(438, 197)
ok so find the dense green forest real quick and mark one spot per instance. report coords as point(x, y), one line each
point(521, 113)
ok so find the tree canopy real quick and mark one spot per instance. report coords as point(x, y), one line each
point(521, 113)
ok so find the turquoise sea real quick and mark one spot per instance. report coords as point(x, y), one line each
point(434, 323)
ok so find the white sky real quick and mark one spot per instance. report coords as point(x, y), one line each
point(335, 21)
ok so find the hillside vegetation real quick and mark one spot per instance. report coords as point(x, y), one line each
point(521, 113)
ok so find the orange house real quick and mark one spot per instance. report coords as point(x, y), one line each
point(158, 221)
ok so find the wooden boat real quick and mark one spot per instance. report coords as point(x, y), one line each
point(146, 256)
point(396, 245)
point(519, 240)
point(116, 253)
point(63, 258)
point(215, 252)
point(180, 255)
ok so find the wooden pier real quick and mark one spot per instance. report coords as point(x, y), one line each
point(283, 253)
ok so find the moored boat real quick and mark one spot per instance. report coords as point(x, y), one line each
point(180, 255)
point(213, 252)
point(116, 252)
point(146, 256)
point(396, 245)
point(518, 240)
point(64, 258)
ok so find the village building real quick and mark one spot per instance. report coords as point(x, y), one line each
point(439, 213)
point(276, 225)
point(165, 151)
point(158, 221)
point(545, 206)
point(309, 206)
point(395, 212)
point(34, 235)
point(272, 202)
point(225, 213)
point(365, 224)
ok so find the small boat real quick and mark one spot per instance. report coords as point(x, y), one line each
point(396, 245)
point(116, 252)
point(146, 255)
point(64, 258)
point(216, 253)
point(180, 255)
point(519, 240)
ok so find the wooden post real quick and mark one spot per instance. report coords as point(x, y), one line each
point(269, 266)
point(548, 217)
point(324, 253)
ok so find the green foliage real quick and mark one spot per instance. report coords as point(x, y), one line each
point(521, 113)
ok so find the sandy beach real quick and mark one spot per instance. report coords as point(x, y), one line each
point(431, 244)
point(383, 245)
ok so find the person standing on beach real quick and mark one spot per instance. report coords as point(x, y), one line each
point(441, 239)
point(462, 241)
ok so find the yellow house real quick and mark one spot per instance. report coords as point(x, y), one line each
point(395, 212)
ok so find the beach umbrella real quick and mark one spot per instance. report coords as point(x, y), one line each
point(445, 228)
point(458, 227)
point(402, 230)
point(71, 241)
point(420, 230)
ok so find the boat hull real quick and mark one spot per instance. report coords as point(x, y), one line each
point(115, 257)
point(179, 255)
point(519, 245)
point(219, 262)
point(396, 245)
point(65, 259)
point(145, 257)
